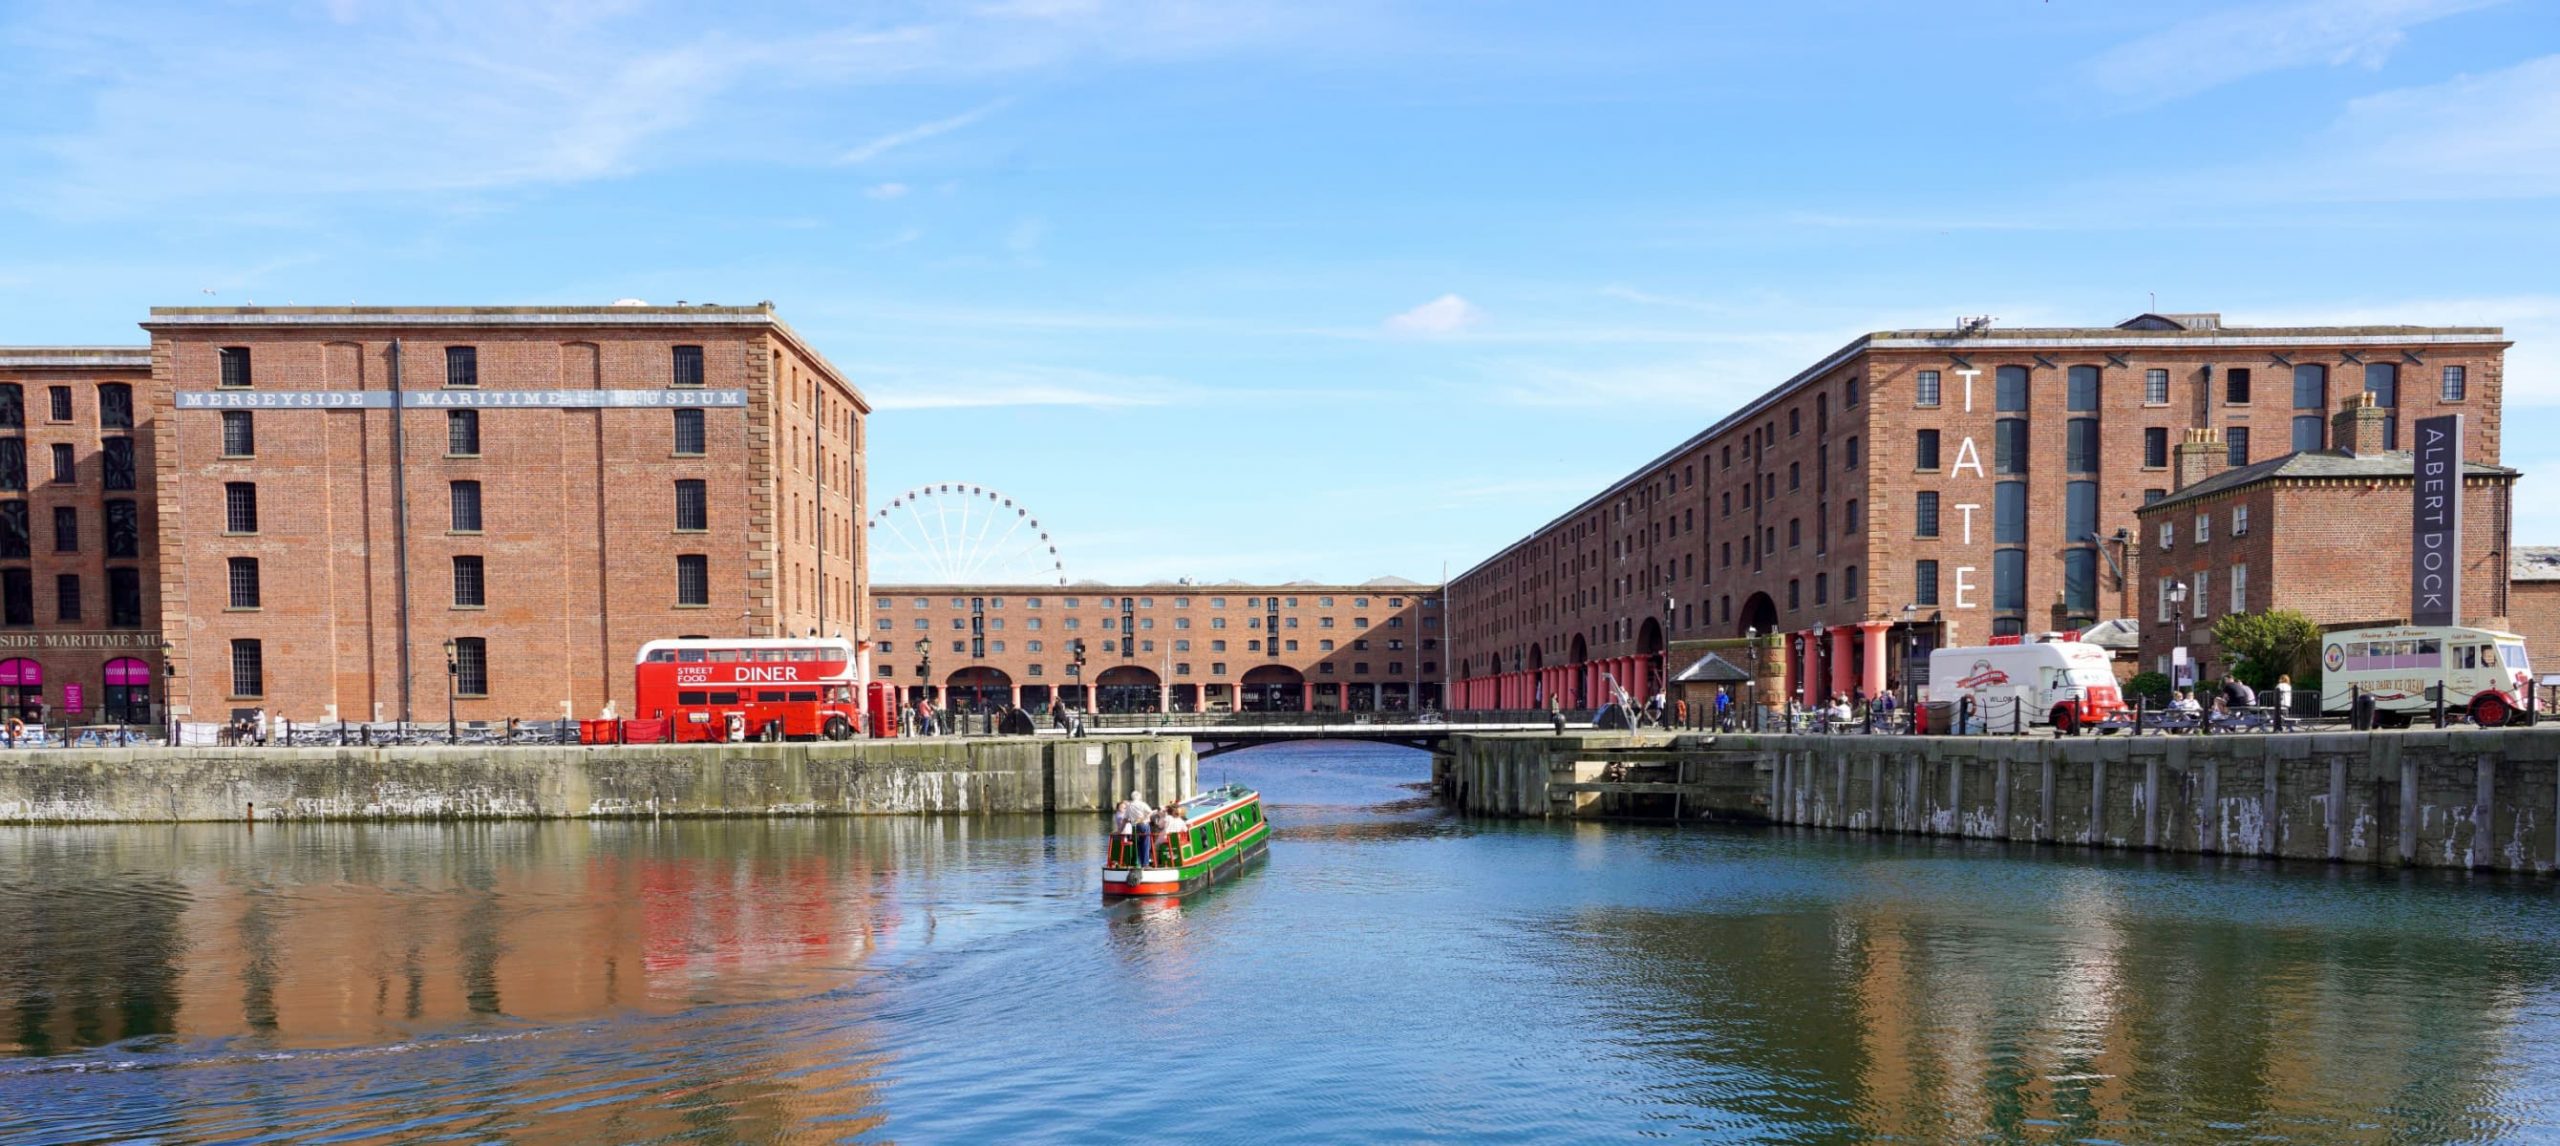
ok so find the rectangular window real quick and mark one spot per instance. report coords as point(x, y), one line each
point(66, 464)
point(17, 597)
point(117, 469)
point(688, 364)
point(2009, 579)
point(470, 666)
point(239, 434)
point(2235, 386)
point(462, 433)
point(2155, 387)
point(2204, 528)
point(689, 437)
point(1924, 454)
point(2239, 588)
point(115, 406)
point(235, 368)
point(124, 528)
point(66, 597)
point(66, 529)
point(2456, 385)
point(2080, 582)
point(2239, 521)
point(2155, 447)
point(693, 579)
point(693, 505)
point(240, 507)
point(2079, 510)
point(2080, 446)
point(2307, 433)
point(2009, 512)
point(1924, 517)
point(470, 583)
point(2009, 446)
point(461, 366)
point(1849, 453)
point(59, 399)
point(1925, 392)
point(13, 464)
point(2010, 389)
point(1924, 583)
point(244, 583)
point(124, 598)
point(2080, 389)
point(248, 669)
point(466, 506)
point(2235, 446)
point(2203, 593)
point(15, 542)
point(2382, 380)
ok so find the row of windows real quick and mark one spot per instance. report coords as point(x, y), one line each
point(1219, 668)
point(116, 471)
point(124, 529)
point(462, 436)
point(469, 667)
point(18, 598)
point(2310, 386)
point(461, 367)
point(884, 604)
point(115, 405)
point(2199, 594)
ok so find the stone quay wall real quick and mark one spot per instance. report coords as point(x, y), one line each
point(2444, 799)
point(928, 776)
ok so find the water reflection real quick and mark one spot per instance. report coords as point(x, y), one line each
point(1387, 972)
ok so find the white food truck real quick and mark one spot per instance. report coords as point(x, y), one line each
point(2048, 678)
point(2485, 673)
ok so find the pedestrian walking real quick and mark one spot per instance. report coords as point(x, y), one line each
point(2284, 700)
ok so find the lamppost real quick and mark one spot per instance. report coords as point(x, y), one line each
point(168, 689)
point(1910, 654)
point(1076, 670)
point(2178, 666)
point(924, 666)
point(1819, 648)
point(1670, 611)
point(452, 675)
point(1751, 688)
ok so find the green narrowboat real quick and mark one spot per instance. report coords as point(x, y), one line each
point(1226, 829)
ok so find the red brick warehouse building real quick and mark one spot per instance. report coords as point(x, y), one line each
point(1918, 488)
point(80, 632)
point(342, 491)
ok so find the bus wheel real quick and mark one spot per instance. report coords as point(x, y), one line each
point(2066, 720)
point(2490, 710)
point(838, 728)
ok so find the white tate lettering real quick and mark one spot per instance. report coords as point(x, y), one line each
point(1966, 508)
point(1964, 586)
point(1968, 376)
point(1966, 455)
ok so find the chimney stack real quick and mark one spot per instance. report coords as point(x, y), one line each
point(2199, 456)
point(2357, 429)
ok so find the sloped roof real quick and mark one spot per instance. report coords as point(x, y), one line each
point(2313, 464)
point(1711, 669)
point(2534, 563)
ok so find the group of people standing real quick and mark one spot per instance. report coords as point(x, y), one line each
point(1146, 829)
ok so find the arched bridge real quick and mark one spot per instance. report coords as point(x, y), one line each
point(1219, 732)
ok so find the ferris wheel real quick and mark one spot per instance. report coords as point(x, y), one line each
point(955, 533)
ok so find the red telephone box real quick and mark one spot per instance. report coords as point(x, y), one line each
point(884, 709)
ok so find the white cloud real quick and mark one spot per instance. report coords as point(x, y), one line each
point(918, 134)
point(2489, 136)
point(2212, 50)
point(1440, 317)
point(887, 191)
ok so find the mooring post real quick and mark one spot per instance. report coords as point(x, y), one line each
point(2337, 808)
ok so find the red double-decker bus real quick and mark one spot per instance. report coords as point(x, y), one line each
point(755, 689)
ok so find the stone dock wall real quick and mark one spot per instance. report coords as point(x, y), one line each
point(881, 777)
point(2446, 799)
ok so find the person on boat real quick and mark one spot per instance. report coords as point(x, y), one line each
point(1156, 835)
point(1130, 823)
point(1173, 827)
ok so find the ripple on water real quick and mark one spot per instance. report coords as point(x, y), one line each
point(1387, 972)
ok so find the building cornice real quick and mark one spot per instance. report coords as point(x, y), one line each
point(127, 357)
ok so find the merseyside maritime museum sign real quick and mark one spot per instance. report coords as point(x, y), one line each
point(111, 639)
point(455, 399)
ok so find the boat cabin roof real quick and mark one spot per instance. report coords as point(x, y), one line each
point(1213, 802)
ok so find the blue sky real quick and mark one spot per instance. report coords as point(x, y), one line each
point(1312, 289)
